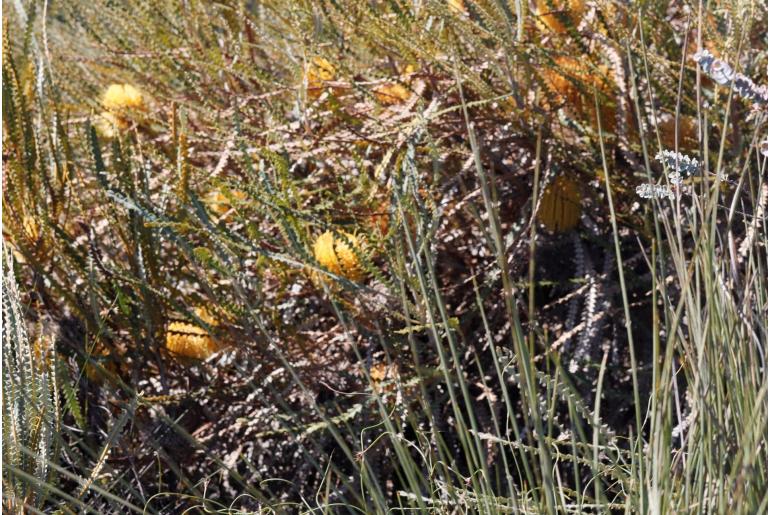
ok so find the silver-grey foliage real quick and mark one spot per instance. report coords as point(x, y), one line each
point(30, 407)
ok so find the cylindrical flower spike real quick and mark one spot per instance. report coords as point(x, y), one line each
point(336, 254)
point(191, 341)
point(560, 207)
point(319, 71)
point(120, 101)
point(121, 98)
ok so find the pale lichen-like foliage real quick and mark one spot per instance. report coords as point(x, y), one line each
point(30, 410)
point(649, 191)
point(722, 73)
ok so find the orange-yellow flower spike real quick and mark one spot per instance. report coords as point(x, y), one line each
point(319, 71)
point(336, 254)
point(121, 98)
point(191, 341)
point(392, 93)
point(560, 207)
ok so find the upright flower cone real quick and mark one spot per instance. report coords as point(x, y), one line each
point(122, 98)
point(336, 254)
point(120, 102)
point(560, 207)
point(191, 341)
point(319, 71)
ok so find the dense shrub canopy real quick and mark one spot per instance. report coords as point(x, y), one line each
point(354, 256)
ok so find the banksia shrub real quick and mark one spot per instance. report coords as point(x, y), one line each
point(191, 341)
point(424, 327)
point(31, 409)
point(336, 254)
point(560, 206)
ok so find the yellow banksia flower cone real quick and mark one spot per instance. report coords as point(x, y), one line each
point(560, 207)
point(122, 98)
point(120, 102)
point(337, 255)
point(191, 341)
point(392, 93)
point(318, 72)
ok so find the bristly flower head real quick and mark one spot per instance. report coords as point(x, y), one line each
point(338, 254)
point(561, 205)
point(722, 73)
point(190, 340)
point(319, 71)
point(654, 191)
point(122, 97)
